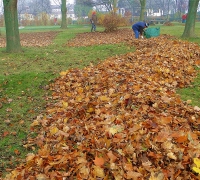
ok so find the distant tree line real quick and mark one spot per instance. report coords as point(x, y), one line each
point(83, 7)
point(133, 6)
point(34, 7)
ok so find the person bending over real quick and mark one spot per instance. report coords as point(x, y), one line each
point(138, 28)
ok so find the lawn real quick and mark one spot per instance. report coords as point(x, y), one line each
point(24, 83)
point(25, 79)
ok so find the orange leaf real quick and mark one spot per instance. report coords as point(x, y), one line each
point(181, 139)
point(5, 133)
point(165, 120)
point(17, 152)
point(197, 62)
point(128, 167)
point(99, 161)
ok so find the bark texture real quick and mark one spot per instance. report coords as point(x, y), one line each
point(12, 28)
point(64, 13)
point(189, 30)
point(143, 8)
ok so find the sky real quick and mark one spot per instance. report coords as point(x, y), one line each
point(68, 1)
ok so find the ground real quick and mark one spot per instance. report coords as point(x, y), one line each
point(39, 39)
point(36, 39)
point(122, 118)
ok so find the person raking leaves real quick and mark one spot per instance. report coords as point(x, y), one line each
point(138, 28)
point(93, 21)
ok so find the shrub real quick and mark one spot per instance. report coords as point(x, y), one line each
point(112, 21)
point(100, 18)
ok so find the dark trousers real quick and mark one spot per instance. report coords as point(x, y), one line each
point(93, 27)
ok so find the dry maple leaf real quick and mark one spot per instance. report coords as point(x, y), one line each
point(128, 166)
point(98, 171)
point(115, 129)
point(99, 161)
point(34, 123)
point(53, 130)
point(84, 172)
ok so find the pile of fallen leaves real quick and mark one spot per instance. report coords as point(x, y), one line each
point(97, 38)
point(36, 39)
point(168, 23)
point(121, 119)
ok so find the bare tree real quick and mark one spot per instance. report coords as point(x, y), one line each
point(22, 6)
point(108, 4)
point(57, 2)
point(39, 6)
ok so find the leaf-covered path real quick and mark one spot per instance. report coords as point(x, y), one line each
point(120, 119)
point(37, 39)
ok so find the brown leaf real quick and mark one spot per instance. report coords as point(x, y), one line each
point(98, 171)
point(111, 156)
point(128, 167)
point(99, 161)
point(133, 175)
point(5, 133)
point(17, 152)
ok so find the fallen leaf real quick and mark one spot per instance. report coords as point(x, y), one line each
point(111, 156)
point(99, 172)
point(17, 152)
point(196, 108)
point(133, 175)
point(197, 163)
point(171, 155)
point(53, 130)
point(99, 161)
point(5, 133)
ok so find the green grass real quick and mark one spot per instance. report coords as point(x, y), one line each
point(76, 29)
point(192, 92)
point(177, 30)
point(24, 80)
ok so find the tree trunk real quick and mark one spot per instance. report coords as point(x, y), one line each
point(64, 13)
point(168, 9)
point(191, 18)
point(143, 8)
point(115, 6)
point(12, 28)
